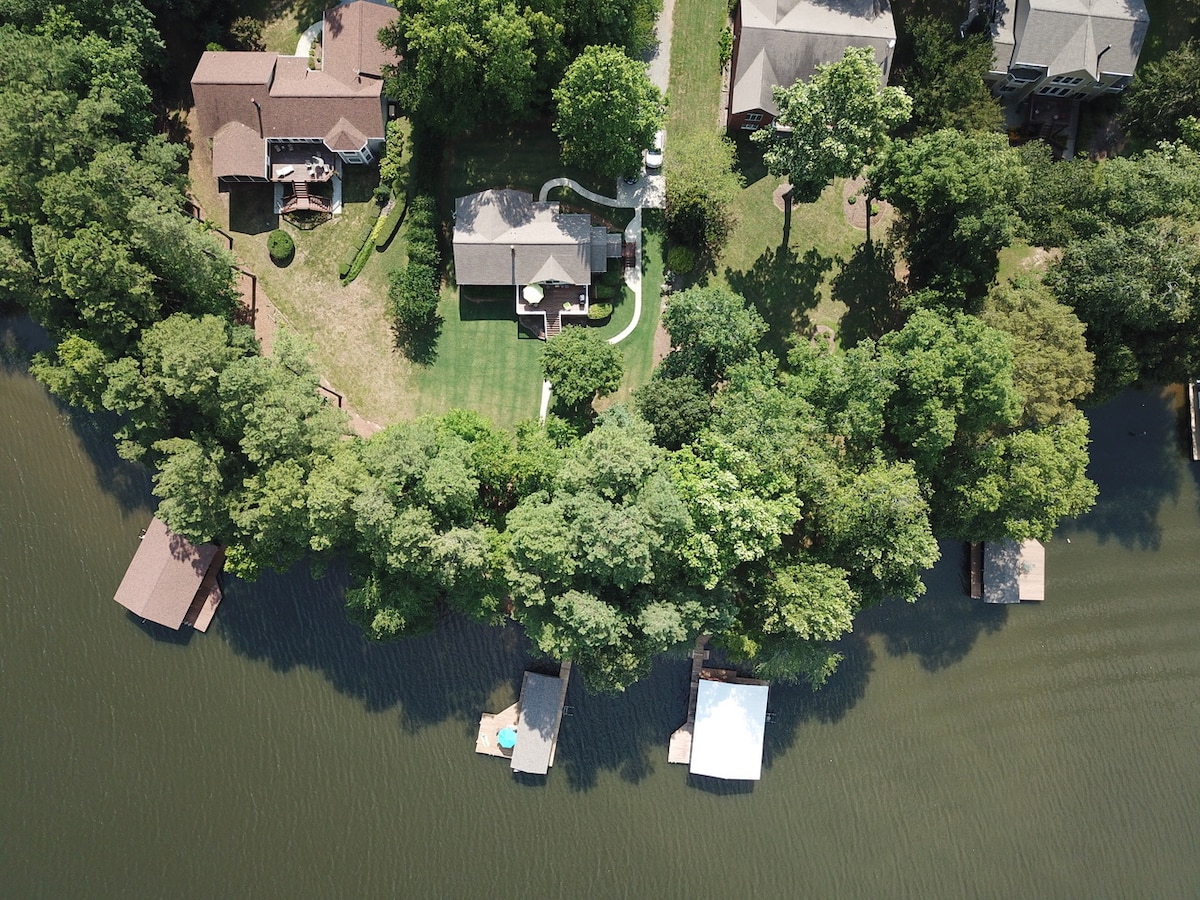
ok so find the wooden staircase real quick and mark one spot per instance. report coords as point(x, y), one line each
point(553, 323)
point(301, 199)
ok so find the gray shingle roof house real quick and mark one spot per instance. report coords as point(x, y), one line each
point(1077, 49)
point(272, 118)
point(548, 257)
point(780, 42)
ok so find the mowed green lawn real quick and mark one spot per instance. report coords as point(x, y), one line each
point(483, 360)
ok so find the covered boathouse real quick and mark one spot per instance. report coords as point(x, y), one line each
point(172, 581)
point(526, 733)
point(726, 723)
point(1007, 571)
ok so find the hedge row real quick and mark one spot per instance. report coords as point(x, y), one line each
point(413, 296)
point(349, 261)
point(391, 224)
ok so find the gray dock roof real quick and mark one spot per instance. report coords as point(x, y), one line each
point(541, 707)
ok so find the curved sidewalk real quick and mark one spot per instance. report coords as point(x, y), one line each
point(633, 234)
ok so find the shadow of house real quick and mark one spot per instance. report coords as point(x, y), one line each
point(780, 42)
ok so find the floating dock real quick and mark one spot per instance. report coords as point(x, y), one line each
point(1014, 572)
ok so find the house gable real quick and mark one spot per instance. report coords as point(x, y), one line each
point(780, 42)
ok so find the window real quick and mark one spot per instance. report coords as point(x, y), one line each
point(1049, 91)
point(754, 117)
point(1066, 79)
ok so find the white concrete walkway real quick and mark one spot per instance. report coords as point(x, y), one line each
point(631, 199)
point(311, 33)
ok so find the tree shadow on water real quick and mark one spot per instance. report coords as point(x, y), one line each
point(782, 286)
point(127, 483)
point(294, 621)
point(1138, 462)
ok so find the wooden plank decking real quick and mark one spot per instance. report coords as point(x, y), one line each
point(680, 748)
point(1193, 399)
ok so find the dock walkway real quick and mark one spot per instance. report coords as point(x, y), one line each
point(680, 750)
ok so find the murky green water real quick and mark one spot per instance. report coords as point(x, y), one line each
point(1038, 751)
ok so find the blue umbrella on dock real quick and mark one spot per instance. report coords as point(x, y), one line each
point(507, 738)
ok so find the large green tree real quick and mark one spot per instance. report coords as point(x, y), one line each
point(831, 126)
point(711, 329)
point(1164, 93)
point(1052, 367)
point(464, 62)
point(607, 112)
point(581, 366)
point(956, 195)
point(945, 79)
point(701, 187)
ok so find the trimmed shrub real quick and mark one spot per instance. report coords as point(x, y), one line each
point(413, 297)
point(725, 44)
point(281, 247)
point(423, 250)
point(681, 260)
point(354, 260)
point(598, 312)
point(391, 225)
point(381, 195)
point(422, 212)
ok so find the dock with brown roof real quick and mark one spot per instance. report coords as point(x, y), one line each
point(172, 581)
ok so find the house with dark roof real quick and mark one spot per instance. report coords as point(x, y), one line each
point(1073, 49)
point(780, 42)
point(272, 118)
point(548, 257)
point(172, 581)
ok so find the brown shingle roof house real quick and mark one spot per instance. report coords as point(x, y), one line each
point(172, 581)
point(272, 118)
point(780, 42)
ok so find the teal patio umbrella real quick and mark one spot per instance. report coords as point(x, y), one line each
point(507, 738)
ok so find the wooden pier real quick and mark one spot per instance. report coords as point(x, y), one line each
point(1193, 415)
point(680, 749)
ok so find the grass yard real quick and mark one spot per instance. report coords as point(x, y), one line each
point(483, 361)
point(695, 68)
point(354, 346)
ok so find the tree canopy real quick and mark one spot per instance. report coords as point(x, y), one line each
point(945, 79)
point(607, 112)
point(582, 366)
point(831, 126)
point(956, 194)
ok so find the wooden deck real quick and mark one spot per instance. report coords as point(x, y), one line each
point(975, 568)
point(490, 725)
point(1193, 415)
point(680, 748)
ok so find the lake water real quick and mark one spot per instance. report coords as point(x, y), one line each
point(1042, 750)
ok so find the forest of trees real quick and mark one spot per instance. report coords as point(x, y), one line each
point(764, 501)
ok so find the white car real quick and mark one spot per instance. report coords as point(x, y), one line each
point(654, 156)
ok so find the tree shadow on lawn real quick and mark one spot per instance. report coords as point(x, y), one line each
point(868, 287)
point(420, 346)
point(782, 286)
point(749, 162)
